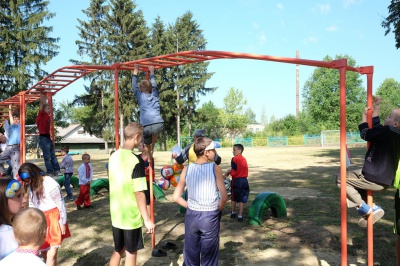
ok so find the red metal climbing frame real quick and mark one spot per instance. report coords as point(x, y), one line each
point(64, 76)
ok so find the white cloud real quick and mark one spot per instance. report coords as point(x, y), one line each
point(331, 28)
point(280, 6)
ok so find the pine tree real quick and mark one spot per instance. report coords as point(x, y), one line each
point(25, 44)
point(190, 79)
point(97, 118)
point(128, 40)
point(158, 40)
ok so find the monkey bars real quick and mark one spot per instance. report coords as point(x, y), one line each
point(64, 76)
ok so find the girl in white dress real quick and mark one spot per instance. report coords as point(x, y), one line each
point(45, 194)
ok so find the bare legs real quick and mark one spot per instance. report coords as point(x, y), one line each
point(50, 256)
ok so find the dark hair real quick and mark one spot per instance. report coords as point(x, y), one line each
point(35, 174)
point(239, 146)
point(200, 145)
point(66, 149)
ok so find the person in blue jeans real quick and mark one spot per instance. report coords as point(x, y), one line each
point(45, 142)
point(11, 153)
point(67, 163)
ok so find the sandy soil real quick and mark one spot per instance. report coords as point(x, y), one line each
point(293, 240)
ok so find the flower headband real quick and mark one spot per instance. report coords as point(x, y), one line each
point(26, 175)
point(12, 187)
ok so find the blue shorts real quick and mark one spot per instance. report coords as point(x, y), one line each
point(240, 190)
point(150, 130)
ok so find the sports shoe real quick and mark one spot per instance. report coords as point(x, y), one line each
point(364, 209)
point(240, 219)
point(78, 207)
point(57, 174)
point(233, 215)
point(376, 211)
point(68, 198)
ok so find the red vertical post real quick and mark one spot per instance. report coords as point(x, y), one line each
point(116, 97)
point(343, 197)
point(22, 122)
point(151, 178)
point(50, 103)
point(370, 226)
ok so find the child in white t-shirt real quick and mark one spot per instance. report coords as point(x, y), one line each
point(30, 230)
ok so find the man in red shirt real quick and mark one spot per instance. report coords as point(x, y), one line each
point(45, 142)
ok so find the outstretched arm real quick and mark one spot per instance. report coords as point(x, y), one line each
point(151, 69)
point(376, 102)
point(135, 86)
point(42, 101)
point(10, 114)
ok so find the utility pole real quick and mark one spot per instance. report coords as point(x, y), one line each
point(297, 86)
point(178, 115)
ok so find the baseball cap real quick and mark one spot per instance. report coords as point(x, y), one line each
point(212, 146)
point(199, 133)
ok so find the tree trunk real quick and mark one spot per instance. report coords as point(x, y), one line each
point(106, 146)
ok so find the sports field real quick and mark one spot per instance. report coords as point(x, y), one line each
point(309, 235)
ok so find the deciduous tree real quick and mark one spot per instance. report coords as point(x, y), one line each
point(389, 90)
point(321, 94)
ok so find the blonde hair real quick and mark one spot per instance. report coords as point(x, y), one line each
point(132, 129)
point(145, 86)
point(30, 227)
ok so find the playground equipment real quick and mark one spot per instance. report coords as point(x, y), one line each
point(74, 181)
point(64, 76)
point(262, 203)
point(103, 183)
point(98, 184)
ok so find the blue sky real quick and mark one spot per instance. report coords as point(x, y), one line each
point(266, 27)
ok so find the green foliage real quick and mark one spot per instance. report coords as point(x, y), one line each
point(321, 94)
point(117, 32)
point(250, 115)
point(190, 79)
point(232, 116)
point(208, 118)
point(287, 126)
point(389, 90)
point(25, 44)
point(393, 20)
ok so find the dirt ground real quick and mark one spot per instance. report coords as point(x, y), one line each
point(309, 235)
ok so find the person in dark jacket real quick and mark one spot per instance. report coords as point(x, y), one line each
point(380, 164)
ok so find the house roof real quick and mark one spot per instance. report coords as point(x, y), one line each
point(74, 134)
